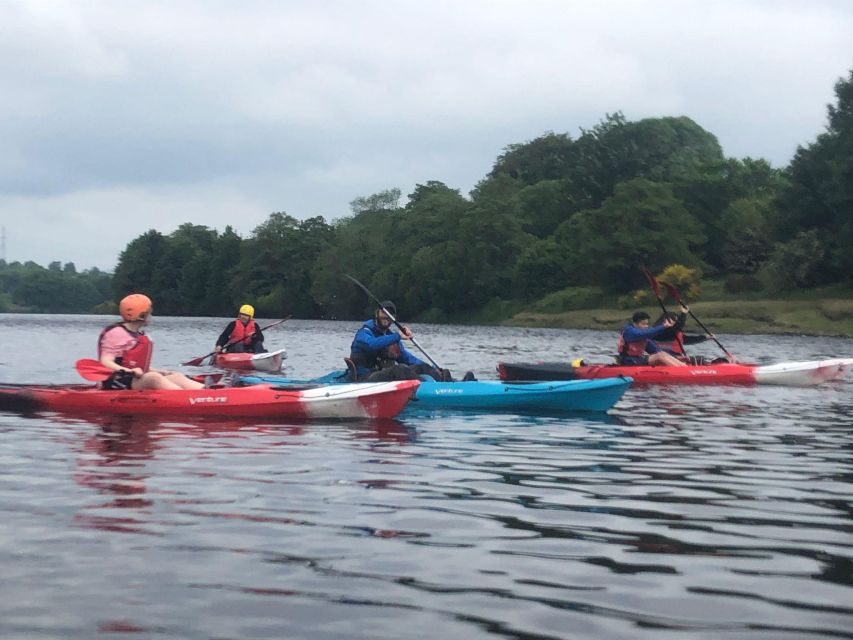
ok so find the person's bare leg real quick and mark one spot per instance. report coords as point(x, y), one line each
point(183, 382)
point(662, 358)
point(154, 380)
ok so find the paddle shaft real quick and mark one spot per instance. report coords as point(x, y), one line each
point(708, 331)
point(674, 293)
point(656, 288)
point(95, 371)
point(197, 361)
point(393, 319)
point(269, 326)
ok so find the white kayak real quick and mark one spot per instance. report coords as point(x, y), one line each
point(267, 361)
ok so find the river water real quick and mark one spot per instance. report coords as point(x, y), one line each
point(685, 513)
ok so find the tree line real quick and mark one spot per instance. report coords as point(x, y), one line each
point(556, 217)
point(59, 288)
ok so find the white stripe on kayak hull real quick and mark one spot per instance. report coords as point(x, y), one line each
point(803, 374)
point(347, 400)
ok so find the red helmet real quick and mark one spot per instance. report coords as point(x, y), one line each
point(134, 307)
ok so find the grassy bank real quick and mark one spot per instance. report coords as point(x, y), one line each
point(819, 317)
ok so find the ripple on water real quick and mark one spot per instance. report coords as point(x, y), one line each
point(687, 512)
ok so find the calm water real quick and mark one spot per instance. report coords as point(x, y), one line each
point(687, 513)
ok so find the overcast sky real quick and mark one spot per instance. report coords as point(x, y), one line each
point(119, 117)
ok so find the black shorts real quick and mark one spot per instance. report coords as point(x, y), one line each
point(634, 361)
point(118, 381)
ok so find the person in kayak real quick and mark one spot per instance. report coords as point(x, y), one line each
point(124, 348)
point(636, 346)
point(242, 335)
point(378, 354)
point(673, 339)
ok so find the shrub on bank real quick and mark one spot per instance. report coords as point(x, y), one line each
point(570, 299)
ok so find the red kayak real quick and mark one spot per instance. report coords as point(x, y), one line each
point(369, 400)
point(804, 373)
point(268, 361)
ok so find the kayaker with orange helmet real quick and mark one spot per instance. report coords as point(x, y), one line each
point(124, 348)
point(242, 335)
point(636, 346)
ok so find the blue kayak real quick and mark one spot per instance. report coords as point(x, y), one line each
point(558, 395)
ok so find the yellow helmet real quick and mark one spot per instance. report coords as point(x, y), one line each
point(248, 309)
point(578, 362)
point(134, 307)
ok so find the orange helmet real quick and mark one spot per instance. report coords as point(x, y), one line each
point(134, 307)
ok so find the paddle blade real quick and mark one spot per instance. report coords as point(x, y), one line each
point(92, 370)
point(196, 362)
point(673, 292)
point(208, 378)
point(652, 281)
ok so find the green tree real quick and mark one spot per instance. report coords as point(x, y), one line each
point(382, 201)
point(183, 270)
point(541, 268)
point(137, 263)
point(710, 189)
point(658, 149)
point(643, 223)
point(820, 195)
point(276, 265)
point(220, 296)
point(747, 242)
point(798, 263)
point(543, 206)
point(548, 157)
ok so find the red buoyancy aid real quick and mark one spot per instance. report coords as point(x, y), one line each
point(391, 352)
point(634, 349)
point(674, 345)
point(138, 355)
point(242, 333)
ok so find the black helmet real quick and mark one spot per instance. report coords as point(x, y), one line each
point(389, 306)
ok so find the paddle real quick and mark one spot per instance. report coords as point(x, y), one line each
point(677, 297)
point(93, 370)
point(656, 288)
point(195, 362)
point(393, 319)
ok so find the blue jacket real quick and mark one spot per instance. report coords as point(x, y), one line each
point(630, 333)
point(372, 343)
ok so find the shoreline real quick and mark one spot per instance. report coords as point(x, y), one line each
point(827, 317)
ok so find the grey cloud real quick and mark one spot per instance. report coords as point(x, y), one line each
point(302, 106)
